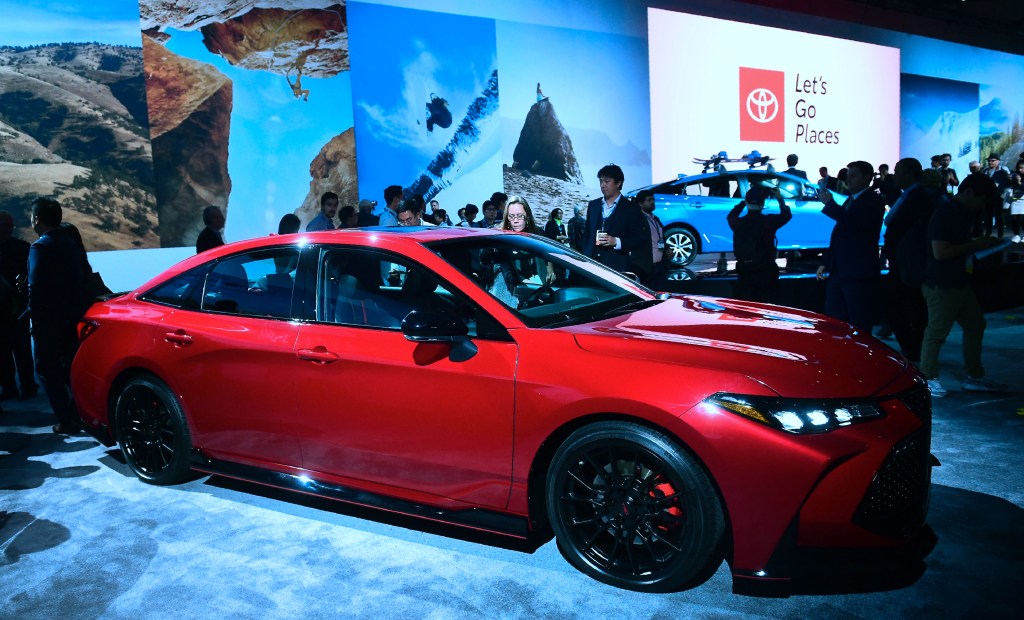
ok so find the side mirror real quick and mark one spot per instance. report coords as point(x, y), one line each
point(440, 326)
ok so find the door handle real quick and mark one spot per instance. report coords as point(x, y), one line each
point(318, 354)
point(178, 337)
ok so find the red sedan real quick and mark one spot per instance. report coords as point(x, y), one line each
point(503, 382)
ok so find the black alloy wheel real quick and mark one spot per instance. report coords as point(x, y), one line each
point(632, 509)
point(151, 429)
point(681, 246)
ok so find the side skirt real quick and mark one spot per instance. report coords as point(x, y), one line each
point(472, 518)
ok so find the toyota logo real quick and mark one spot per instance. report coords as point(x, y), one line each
point(762, 105)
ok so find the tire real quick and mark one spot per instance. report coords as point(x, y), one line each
point(682, 246)
point(151, 429)
point(632, 509)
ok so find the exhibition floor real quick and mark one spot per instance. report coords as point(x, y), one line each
point(80, 537)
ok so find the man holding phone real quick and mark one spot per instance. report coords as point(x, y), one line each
point(617, 232)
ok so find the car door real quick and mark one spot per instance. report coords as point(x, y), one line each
point(809, 228)
point(700, 204)
point(231, 359)
point(380, 409)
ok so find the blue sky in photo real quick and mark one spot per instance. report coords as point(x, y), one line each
point(273, 139)
point(923, 99)
point(597, 83)
point(35, 22)
point(400, 57)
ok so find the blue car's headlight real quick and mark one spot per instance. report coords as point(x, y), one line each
point(796, 415)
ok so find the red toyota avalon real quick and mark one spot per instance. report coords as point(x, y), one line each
point(505, 383)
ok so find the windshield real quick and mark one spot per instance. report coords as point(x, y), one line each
point(544, 282)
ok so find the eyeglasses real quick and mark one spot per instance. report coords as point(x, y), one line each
point(517, 216)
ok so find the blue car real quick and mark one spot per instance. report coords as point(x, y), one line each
point(693, 210)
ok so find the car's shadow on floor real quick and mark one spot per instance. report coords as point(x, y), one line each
point(972, 526)
point(968, 524)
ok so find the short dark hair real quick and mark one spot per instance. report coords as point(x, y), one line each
point(391, 192)
point(471, 209)
point(346, 212)
point(289, 224)
point(883, 167)
point(489, 205)
point(499, 197)
point(863, 167)
point(912, 167)
point(643, 195)
point(613, 172)
point(408, 205)
point(327, 196)
point(48, 211)
point(791, 159)
point(209, 213)
point(949, 155)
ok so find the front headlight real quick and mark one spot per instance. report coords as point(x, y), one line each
point(796, 415)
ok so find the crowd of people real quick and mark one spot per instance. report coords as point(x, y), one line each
point(936, 226)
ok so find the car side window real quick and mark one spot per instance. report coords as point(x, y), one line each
point(257, 284)
point(366, 288)
point(181, 291)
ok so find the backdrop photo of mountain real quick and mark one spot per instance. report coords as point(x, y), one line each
point(73, 126)
point(1001, 118)
point(250, 106)
point(939, 116)
point(572, 101)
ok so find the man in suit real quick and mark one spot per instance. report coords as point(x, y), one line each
point(851, 262)
point(55, 284)
point(906, 248)
point(210, 237)
point(791, 161)
point(624, 242)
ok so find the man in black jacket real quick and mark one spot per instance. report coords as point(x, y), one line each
point(56, 279)
point(15, 343)
point(906, 248)
point(617, 233)
point(851, 263)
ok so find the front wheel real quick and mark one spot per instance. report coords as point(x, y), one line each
point(681, 246)
point(632, 509)
point(150, 427)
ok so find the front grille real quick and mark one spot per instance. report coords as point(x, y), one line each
point(896, 502)
point(919, 400)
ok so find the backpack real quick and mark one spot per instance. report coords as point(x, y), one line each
point(751, 244)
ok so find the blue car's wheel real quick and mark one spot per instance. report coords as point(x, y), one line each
point(681, 246)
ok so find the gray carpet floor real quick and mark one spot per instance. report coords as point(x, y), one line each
point(80, 537)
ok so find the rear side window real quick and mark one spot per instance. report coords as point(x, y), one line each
point(181, 291)
point(257, 284)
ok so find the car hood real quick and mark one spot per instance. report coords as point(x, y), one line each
point(792, 352)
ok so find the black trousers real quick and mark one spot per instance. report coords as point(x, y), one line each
point(904, 308)
point(16, 354)
point(55, 347)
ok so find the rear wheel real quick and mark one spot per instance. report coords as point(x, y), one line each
point(630, 508)
point(152, 432)
point(681, 246)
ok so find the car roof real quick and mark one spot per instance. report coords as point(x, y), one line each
point(395, 238)
point(713, 175)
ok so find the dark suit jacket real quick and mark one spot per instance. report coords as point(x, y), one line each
point(906, 234)
point(853, 249)
point(796, 173)
point(627, 222)
point(56, 281)
point(207, 240)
